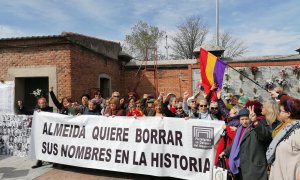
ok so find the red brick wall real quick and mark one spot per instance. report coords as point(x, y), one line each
point(86, 66)
point(168, 81)
point(58, 55)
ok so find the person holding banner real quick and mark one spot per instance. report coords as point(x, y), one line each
point(147, 105)
point(114, 108)
point(64, 106)
point(84, 103)
point(92, 108)
point(203, 112)
point(42, 106)
point(133, 110)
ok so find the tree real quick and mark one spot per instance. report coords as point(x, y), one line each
point(142, 37)
point(191, 34)
point(233, 46)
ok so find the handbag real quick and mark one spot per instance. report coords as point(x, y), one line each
point(220, 171)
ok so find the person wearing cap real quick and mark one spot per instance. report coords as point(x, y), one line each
point(247, 154)
point(147, 105)
point(189, 105)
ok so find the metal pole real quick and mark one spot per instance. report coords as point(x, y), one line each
point(217, 22)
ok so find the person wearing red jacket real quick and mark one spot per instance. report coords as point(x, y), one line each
point(133, 110)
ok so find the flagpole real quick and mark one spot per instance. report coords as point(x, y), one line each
point(248, 78)
point(217, 22)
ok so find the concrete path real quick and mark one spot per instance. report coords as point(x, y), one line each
point(12, 167)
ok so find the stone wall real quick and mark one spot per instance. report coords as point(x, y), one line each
point(265, 74)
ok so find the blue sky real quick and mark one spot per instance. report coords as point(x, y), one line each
point(268, 27)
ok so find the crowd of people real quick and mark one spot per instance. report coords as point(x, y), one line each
point(260, 139)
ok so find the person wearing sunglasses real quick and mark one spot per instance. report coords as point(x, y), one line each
point(179, 111)
point(203, 112)
point(214, 110)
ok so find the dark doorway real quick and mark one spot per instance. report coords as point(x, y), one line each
point(105, 87)
point(26, 85)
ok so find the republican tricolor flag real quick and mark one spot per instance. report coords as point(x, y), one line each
point(212, 71)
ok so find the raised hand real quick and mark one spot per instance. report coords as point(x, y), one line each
point(252, 114)
point(214, 87)
point(185, 95)
point(219, 94)
point(145, 96)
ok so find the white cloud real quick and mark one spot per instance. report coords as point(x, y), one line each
point(7, 32)
point(271, 42)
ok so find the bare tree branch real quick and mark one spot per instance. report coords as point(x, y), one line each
point(191, 34)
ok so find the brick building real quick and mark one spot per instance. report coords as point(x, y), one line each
point(71, 63)
point(75, 64)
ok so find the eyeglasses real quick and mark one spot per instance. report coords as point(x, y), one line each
point(116, 96)
point(178, 108)
point(193, 101)
point(214, 108)
point(201, 105)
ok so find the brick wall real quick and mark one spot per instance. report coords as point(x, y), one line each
point(86, 66)
point(170, 80)
point(35, 56)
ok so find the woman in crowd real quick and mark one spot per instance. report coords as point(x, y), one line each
point(84, 103)
point(64, 106)
point(265, 126)
point(99, 100)
point(114, 108)
point(106, 105)
point(203, 112)
point(132, 110)
point(179, 111)
point(284, 151)
point(92, 108)
point(168, 105)
point(158, 108)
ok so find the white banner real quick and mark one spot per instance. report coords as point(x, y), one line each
point(7, 97)
point(161, 147)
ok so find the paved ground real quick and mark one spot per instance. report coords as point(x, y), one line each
point(12, 167)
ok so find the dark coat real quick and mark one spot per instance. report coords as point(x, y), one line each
point(252, 155)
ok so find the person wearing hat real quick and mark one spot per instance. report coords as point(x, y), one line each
point(147, 105)
point(247, 154)
point(189, 105)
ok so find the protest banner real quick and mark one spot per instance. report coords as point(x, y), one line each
point(172, 147)
point(7, 96)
